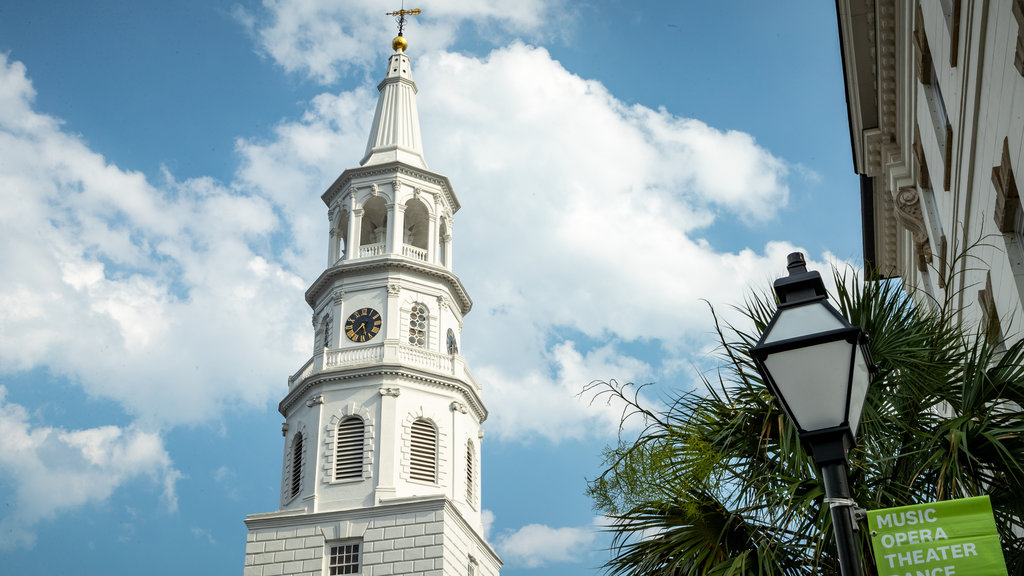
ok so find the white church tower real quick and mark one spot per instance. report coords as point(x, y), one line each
point(381, 469)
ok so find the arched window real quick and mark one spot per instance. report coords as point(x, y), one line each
point(416, 234)
point(348, 451)
point(443, 239)
point(372, 237)
point(296, 478)
point(339, 236)
point(423, 451)
point(418, 317)
point(470, 473)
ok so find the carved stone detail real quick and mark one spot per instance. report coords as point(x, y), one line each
point(394, 289)
point(284, 428)
point(318, 399)
point(390, 391)
point(908, 212)
point(442, 302)
point(338, 296)
point(459, 407)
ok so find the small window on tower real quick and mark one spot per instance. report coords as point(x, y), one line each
point(348, 453)
point(327, 331)
point(418, 316)
point(296, 475)
point(343, 558)
point(470, 473)
point(423, 451)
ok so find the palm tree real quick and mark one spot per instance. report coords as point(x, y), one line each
point(717, 482)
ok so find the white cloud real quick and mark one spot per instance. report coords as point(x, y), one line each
point(536, 545)
point(324, 39)
point(55, 469)
point(168, 300)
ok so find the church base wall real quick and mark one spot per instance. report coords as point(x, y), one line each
point(404, 538)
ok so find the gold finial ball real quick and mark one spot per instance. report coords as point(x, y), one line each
point(399, 44)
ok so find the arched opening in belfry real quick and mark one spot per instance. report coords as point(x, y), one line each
point(339, 236)
point(415, 236)
point(443, 238)
point(373, 235)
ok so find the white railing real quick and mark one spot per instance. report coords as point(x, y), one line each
point(368, 250)
point(425, 359)
point(301, 375)
point(385, 353)
point(351, 356)
point(414, 252)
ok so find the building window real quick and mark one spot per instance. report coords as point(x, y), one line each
point(470, 473)
point(933, 95)
point(418, 317)
point(296, 476)
point(423, 453)
point(1007, 195)
point(990, 325)
point(1018, 15)
point(348, 452)
point(327, 331)
point(343, 558)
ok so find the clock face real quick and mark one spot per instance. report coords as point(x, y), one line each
point(362, 325)
point(453, 346)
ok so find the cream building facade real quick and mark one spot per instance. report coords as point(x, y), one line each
point(935, 90)
point(382, 452)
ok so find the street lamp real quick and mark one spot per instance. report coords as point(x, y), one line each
point(817, 365)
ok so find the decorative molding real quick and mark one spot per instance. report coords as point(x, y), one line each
point(459, 407)
point(374, 190)
point(284, 428)
point(908, 212)
point(442, 302)
point(390, 391)
point(315, 400)
point(390, 169)
point(338, 296)
point(394, 289)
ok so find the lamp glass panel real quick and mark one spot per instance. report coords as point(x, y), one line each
point(858, 388)
point(803, 321)
point(812, 381)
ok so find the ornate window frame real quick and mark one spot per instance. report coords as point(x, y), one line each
point(330, 443)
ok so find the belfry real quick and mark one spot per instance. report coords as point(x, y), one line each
point(382, 438)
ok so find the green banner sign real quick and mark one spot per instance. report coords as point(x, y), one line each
point(953, 537)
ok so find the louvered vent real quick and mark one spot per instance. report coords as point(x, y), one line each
point(297, 464)
point(348, 454)
point(469, 472)
point(424, 452)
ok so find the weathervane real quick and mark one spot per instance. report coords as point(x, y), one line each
point(400, 16)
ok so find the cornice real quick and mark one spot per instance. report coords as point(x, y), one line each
point(387, 170)
point(468, 394)
point(389, 262)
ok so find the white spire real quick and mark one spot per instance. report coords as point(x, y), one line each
point(395, 133)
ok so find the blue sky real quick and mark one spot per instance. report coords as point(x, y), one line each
point(161, 164)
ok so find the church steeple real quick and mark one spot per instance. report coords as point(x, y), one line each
point(395, 133)
point(382, 452)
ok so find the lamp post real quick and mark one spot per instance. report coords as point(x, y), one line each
point(817, 365)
